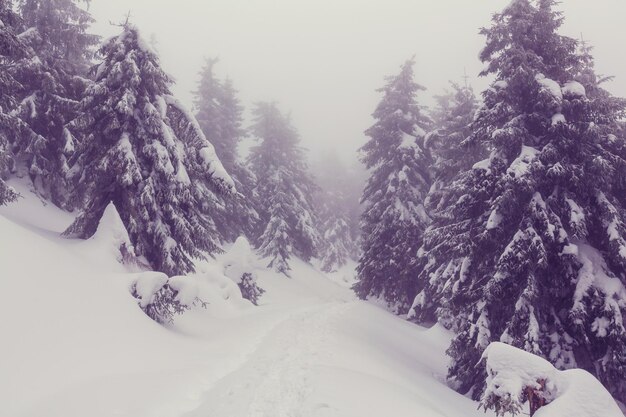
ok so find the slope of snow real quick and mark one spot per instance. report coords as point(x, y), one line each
point(346, 275)
point(35, 214)
point(76, 343)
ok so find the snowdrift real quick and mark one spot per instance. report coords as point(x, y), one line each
point(571, 393)
point(76, 343)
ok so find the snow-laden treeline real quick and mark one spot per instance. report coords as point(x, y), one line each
point(97, 126)
point(500, 217)
point(518, 207)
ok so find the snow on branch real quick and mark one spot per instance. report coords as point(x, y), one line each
point(574, 88)
point(550, 85)
point(207, 152)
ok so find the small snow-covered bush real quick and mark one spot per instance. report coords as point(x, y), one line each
point(517, 379)
point(249, 288)
point(161, 298)
point(239, 268)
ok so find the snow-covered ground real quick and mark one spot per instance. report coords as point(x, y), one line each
point(75, 343)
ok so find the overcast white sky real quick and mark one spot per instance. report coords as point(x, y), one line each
point(322, 60)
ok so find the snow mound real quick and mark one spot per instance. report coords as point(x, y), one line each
point(111, 230)
point(187, 290)
point(512, 372)
point(221, 294)
point(238, 265)
point(110, 246)
point(238, 260)
point(147, 285)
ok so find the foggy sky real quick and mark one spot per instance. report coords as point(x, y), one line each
point(323, 60)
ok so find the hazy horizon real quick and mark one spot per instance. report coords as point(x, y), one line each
point(323, 61)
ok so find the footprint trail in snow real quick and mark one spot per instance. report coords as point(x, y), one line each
point(275, 379)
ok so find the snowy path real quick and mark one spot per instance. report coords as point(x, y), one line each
point(275, 379)
point(314, 364)
point(310, 350)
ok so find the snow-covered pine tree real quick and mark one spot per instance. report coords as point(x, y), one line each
point(14, 57)
point(219, 114)
point(536, 252)
point(607, 228)
point(336, 203)
point(394, 217)
point(284, 189)
point(63, 41)
point(448, 144)
point(239, 266)
point(145, 153)
point(453, 156)
point(337, 244)
point(358, 176)
point(53, 85)
point(7, 194)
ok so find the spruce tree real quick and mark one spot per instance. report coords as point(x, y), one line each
point(219, 115)
point(15, 57)
point(609, 236)
point(337, 208)
point(63, 41)
point(394, 217)
point(337, 244)
point(57, 32)
point(453, 155)
point(535, 252)
point(145, 153)
point(284, 190)
point(449, 144)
